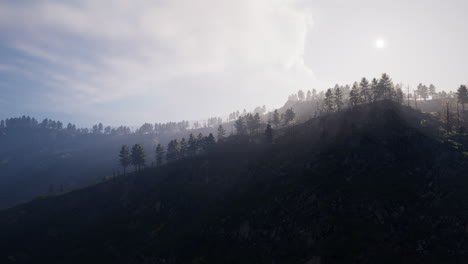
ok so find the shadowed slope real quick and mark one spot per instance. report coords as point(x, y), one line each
point(366, 185)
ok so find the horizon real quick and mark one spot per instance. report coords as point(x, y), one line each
point(85, 62)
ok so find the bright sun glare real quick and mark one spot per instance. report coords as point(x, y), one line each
point(380, 43)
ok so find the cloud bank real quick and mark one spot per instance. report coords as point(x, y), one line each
point(158, 60)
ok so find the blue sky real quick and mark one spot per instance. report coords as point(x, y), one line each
point(131, 61)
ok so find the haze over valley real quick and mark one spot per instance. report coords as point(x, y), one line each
point(310, 132)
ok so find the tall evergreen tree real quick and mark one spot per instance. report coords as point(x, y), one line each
point(462, 96)
point(289, 116)
point(301, 95)
point(338, 99)
point(365, 91)
point(138, 156)
point(192, 145)
point(209, 142)
point(201, 142)
point(159, 155)
point(221, 133)
point(423, 91)
point(240, 126)
point(432, 91)
point(329, 101)
point(172, 150)
point(276, 118)
point(385, 87)
point(253, 123)
point(183, 148)
point(375, 90)
point(399, 96)
point(354, 97)
point(146, 128)
point(124, 158)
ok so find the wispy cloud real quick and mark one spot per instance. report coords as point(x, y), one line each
point(98, 53)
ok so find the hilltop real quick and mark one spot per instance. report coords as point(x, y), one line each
point(376, 183)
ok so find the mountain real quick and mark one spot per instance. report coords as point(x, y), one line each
point(34, 158)
point(378, 183)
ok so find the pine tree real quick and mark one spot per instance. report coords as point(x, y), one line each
point(399, 97)
point(269, 134)
point(462, 96)
point(124, 158)
point(365, 91)
point(301, 95)
point(276, 118)
point(200, 142)
point(159, 155)
point(172, 150)
point(432, 91)
point(138, 156)
point(240, 126)
point(354, 95)
point(423, 91)
point(192, 145)
point(338, 99)
point(289, 116)
point(209, 142)
point(329, 101)
point(253, 123)
point(375, 90)
point(385, 87)
point(183, 148)
point(221, 133)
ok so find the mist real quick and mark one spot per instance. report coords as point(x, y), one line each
point(266, 131)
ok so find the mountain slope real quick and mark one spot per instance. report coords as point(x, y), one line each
point(32, 159)
point(367, 185)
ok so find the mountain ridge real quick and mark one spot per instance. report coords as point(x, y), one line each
point(357, 186)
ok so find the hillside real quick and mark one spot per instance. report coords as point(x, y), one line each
point(33, 158)
point(378, 183)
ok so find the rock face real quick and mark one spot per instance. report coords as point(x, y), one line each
point(368, 185)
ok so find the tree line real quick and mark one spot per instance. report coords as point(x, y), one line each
point(194, 145)
point(365, 91)
point(175, 150)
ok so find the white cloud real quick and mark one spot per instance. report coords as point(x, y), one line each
point(99, 52)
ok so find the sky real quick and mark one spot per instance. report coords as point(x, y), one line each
point(134, 61)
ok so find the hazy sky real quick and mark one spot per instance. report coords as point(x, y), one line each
point(130, 61)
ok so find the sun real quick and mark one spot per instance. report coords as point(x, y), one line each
point(380, 43)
